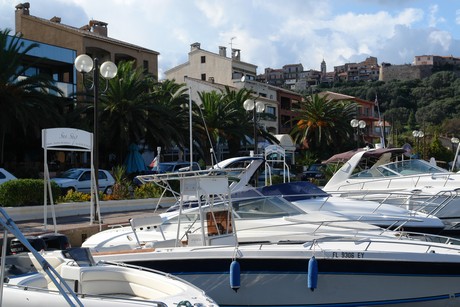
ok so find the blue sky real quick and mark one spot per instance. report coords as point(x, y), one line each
point(269, 33)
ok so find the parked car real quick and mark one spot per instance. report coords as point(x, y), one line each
point(314, 171)
point(55, 241)
point(79, 179)
point(5, 176)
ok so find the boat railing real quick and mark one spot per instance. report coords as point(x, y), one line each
point(430, 243)
point(393, 182)
point(416, 200)
point(165, 181)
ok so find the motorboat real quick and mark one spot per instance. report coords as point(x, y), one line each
point(242, 173)
point(388, 169)
point(327, 270)
point(387, 176)
point(258, 219)
point(71, 277)
point(310, 198)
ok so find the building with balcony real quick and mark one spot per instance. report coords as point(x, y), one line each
point(365, 110)
point(91, 39)
point(217, 71)
point(367, 70)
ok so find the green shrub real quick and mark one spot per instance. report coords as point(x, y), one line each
point(25, 192)
point(148, 190)
point(74, 196)
point(121, 188)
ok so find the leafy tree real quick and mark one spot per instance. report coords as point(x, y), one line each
point(438, 151)
point(411, 122)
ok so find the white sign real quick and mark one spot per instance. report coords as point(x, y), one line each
point(66, 137)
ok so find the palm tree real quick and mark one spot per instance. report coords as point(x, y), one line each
point(323, 123)
point(124, 109)
point(168, 115)
point(223, 118)
point(25, 102)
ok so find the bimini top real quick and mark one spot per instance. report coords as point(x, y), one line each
point(375, 153)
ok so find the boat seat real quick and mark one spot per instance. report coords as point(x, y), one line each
point(55, 262)
point(100, 281)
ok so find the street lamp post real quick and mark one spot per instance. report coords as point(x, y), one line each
point(357, 124)
point(418, 134)
point(256, 107)
point(455, 141)
point(108, 70)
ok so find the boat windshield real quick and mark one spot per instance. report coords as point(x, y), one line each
point(400, 168)
point(264, 207)
point(82, 256)
point(254, 208)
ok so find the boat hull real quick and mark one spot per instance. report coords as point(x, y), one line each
point(272, 277)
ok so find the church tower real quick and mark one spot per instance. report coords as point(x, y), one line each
point(323, 67)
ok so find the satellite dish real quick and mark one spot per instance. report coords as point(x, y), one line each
point(407, 149)
point(243, 78)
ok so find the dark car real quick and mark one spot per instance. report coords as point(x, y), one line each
point(172, 167)
point(314, 171)
point(17, 247)
point(55, 241)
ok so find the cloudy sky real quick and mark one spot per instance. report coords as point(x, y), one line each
point(269, 33)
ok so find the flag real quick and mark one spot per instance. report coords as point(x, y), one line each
point(154, 162)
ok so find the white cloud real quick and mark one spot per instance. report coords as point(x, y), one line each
point(441, 38)
point(433, 20)
point(270, 33)
point(214, 11)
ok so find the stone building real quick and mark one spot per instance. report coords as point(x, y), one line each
point(212, 67)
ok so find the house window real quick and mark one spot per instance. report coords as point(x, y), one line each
point(203, 59)
point(146, 66)
point(270, 110)
point(203, 77)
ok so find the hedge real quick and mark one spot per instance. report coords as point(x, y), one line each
point(25, 192)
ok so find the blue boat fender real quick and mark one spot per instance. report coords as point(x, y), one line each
point(235, 275)
point(312, 273)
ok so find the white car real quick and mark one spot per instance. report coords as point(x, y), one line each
point(79, 179)
point(5, 176)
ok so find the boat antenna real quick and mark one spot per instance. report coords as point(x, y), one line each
point(381, 123)
point(213, 155)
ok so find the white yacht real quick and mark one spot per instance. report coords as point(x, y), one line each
point(387, 176)
point(243, 172)
point(329, 269)
point(310, 198)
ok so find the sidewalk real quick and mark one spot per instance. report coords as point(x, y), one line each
point(78, 227)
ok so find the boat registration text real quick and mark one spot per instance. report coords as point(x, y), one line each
point(349, 255)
